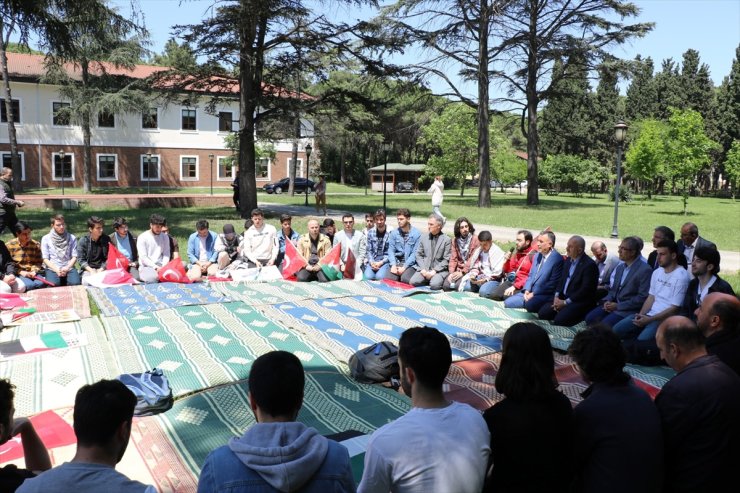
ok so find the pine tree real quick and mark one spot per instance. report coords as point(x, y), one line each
point(642, 96)
point(668, 89)
point(606, 113)
point(728, 106)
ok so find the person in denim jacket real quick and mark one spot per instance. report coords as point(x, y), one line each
point(402, 247)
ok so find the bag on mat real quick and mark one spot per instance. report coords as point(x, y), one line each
point(377, 363)
point(152, 391)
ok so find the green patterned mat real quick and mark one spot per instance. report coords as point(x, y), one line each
point(50, 379)
point(203, 346)
point(332, 403)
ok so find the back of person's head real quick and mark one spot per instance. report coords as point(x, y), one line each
point(599, 354)
point(20, 227)
point(667, 232)
point(527, 369)
point(709, 255)
point(100, 408)
point(276, 383)
point(6, 404)
point(485, 235)
point(426, 351)
point(727, 308)
point(670, 245)
point(157, 220)
point(681, 332)
point(403, 212)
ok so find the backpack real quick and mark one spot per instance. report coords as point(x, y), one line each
point(152, 391)
point(376, 363)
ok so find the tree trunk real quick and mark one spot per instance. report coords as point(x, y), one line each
point(293, 171)
point(342, 165)
point(15, 157)
point(533, 197)
point(86, 154)
point(484, 144)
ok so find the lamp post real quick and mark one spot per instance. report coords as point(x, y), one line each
point(148, 170)
point(386, 148)
point(61, 161)
point(308, 159)
point(210, 157)
point(620, 132)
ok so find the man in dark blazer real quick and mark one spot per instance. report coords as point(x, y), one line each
point(659, 234)
point(576, 293)
point(543, 279)
point(432, 256)
point(691, 241)
point(629, 290)
point(704, 268)
point(606, 263)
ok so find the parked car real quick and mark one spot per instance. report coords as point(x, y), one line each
point(281, 186)
point(404, 186)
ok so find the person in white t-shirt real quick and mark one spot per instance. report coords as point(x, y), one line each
point(260, 245)
point(438, 446)
point(667, 290)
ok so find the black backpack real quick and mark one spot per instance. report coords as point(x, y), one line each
point(376, 363)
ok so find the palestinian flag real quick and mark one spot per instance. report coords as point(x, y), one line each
point(292, 262)
point(350, 266)
point(41, 342)
point(330, 263)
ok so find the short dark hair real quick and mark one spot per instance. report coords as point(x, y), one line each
point(6, 401)
point(426, 351)
point(459, 221)
point(201, 224)
point(347, 215)
point(527, 234)
point(599, 353)
point(669, 244)
point(527, 369)
point(157, 220)
point(379, 213)
point(328, 222)
point(667, 232)
point(729, 313)
point(369, 215)
point(276, 383)
point(100, 409)
point(93, 221)
point(485, 235)
point(20, 227)
point(248, 223)
point(257, 212)
point(710, 255)
point(403, 212)
point(118, 222)
point(684, 333)
point(285, 217)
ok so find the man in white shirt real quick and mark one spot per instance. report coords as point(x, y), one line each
point(351, 240)
point(260, 246)
point(438, 446)
point(154, 249)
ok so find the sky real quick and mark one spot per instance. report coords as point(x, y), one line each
point(712, 27)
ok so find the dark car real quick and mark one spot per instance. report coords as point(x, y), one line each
point(404, 186)
point(281, 186)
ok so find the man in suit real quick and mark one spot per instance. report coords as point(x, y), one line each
point(659, 234)
point(544, 276)
point(704, 268)
point(432, 256)
point(629, 289)
point(690, 241)
point(576, 292)
point(606, 263)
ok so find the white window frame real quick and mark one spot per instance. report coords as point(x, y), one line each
point(115, 166)
point(218, 168)
point(188, 130)
point(52, 116)
point(22, 155)
point(54, 156)
point(19, 121)
point(269, 169)
point(145, 129)
point(115, 122)
point(299, 168)
point(197, 168)
point(142, 161)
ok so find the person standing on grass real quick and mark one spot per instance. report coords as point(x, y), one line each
point(437, 190)
point(8, 203)
point(320, 192)
point(59, 250)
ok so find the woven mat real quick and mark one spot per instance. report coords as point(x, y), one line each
point(344, 325)
point(472, 380)
point(58, 299)
point(50, 379)
point(202, 422)
point(202, 346)
point(143, 298)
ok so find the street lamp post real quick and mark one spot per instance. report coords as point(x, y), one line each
point(61, 161)
point(386, 148)
point(308, 161)
point(620, 132)
point(210, 157)
point(148, 171)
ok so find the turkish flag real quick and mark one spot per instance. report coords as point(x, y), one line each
point(349, 265)
point(116, 260)
point(111, 277)
point(292, 262)
point(174, 271)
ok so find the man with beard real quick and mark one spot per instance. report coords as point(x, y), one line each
point(26, 253)
point(517, 263)
point(59, 250)
point(402, 247)
point(704, 267)
point(153, 246)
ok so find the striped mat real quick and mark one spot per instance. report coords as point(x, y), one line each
point(203, 346)
point(143, 298)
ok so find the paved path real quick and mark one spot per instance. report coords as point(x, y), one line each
point(730, 260)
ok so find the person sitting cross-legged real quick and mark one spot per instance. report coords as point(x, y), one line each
point(403, 242)
point(92, 249)
point(26, 253)
point(155, 249)
point(432, 256)
point(202, 252)
point(259, 247)
point(705, 269)
point(286, 234)
point(227, 248)
point(9, 282)
point(486, 266)
point(378, 239)
point(125, 242)
point(277, 453)
point(312, 246)
point(59, 250)
point(544, 276)
point(464, 243)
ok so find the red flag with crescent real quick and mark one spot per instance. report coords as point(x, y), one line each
point(174, 271)
point(292, 262)
point(116, 260)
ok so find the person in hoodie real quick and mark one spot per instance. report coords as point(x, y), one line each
point(277, 453)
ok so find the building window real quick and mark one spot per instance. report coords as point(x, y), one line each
point(188, 168)
point(226, 170)
point(149, 168)
point(225, 121)
point(106, 120)
point(16, 107)
point(150, 119)
point(107, 167)
point(60, 114)
point(63, 169)
point(299, 171)
point(262, 166)
point(8, 163)
point(188, 120)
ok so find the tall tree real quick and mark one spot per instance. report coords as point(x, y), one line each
point(696, 85)
point(535, 33)
point(642, 96)
point(668, 89)
point(606, 112)
point(176, 55)
point(728, 106)
point(732, 167)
